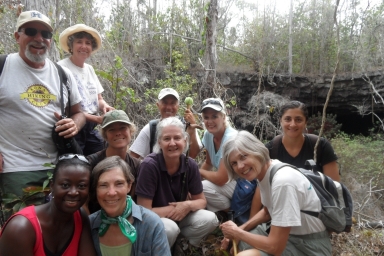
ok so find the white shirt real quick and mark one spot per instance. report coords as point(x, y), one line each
point(291, 192)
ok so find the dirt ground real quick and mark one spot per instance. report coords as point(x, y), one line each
point(359, 242)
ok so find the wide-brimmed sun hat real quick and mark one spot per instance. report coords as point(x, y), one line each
point(63, 38)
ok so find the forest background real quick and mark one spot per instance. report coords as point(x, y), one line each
point(151, 44)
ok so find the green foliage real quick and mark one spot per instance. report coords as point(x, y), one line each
point(32, 195)
point(116, 76)
point(175, 77)
point(331, 127)
point(361, 157)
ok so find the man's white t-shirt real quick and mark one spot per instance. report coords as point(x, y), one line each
point(28, 99)
point(291, 192)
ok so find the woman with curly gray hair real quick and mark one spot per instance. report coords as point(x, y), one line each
point(81, 41)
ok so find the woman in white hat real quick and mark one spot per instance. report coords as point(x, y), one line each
point(217, 188)
point(81, 41)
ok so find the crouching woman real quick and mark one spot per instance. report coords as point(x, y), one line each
point(291, 232)
point(121, 227)
point(58, 227)
point(169, 184)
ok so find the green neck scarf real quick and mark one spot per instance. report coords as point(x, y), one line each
point(126, 228)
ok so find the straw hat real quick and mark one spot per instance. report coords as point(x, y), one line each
point(63, 38)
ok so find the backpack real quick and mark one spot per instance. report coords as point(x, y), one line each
point(336, 200)
point(241, 201)
point(152, 133)
point(3, 57)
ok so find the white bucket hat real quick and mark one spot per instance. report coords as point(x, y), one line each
point(63, 38)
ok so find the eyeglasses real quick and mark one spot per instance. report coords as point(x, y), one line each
point(71, 156)
point(33, 32)
point(214, 102)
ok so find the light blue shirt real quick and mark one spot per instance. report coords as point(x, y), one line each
point(210, 147)
point(151, 236)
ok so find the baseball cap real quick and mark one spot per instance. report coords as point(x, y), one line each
point(63, 38)
point(30, 16)
point(214, 103)
point(115, 116)
point(168, 91)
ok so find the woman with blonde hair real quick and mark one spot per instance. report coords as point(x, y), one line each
point(217, 189)
point(117, 130)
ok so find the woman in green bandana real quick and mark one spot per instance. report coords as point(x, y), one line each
point(121, 227)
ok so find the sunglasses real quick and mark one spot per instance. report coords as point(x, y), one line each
point(213, 102)
point(33, 32)
point(71, 156)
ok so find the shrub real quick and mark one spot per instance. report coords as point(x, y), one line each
point(331, 127)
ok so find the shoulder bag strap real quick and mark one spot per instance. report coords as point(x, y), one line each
point(3, 57)
point(63, 81)
point(152, 133)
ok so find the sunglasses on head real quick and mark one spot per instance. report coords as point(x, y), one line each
point(70, 156)
point(33, 32)
point(214, 102)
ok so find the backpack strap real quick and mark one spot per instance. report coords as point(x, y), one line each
point(152, 133)
point(277, 167)
point(273, 153)
point(63, 81)
point(3, 57)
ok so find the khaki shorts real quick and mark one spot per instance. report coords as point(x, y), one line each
point(316, 244)
point(12, 196)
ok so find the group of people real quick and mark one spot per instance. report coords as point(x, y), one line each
point(138, 200)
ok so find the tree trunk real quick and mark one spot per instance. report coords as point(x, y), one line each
point(290, 39)
point(210, 49)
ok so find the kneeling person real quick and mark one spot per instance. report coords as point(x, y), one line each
point(291, 232)
point(165, 179)
point(121, 227)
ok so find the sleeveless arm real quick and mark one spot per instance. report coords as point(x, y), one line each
point(18, 237)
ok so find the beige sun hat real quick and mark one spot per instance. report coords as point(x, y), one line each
point(63, 38)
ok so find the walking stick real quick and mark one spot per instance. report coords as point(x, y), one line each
point(234, 243)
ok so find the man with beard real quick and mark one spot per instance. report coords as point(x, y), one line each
point(29, 108)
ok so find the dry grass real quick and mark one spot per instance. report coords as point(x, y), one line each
point(359, 242)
